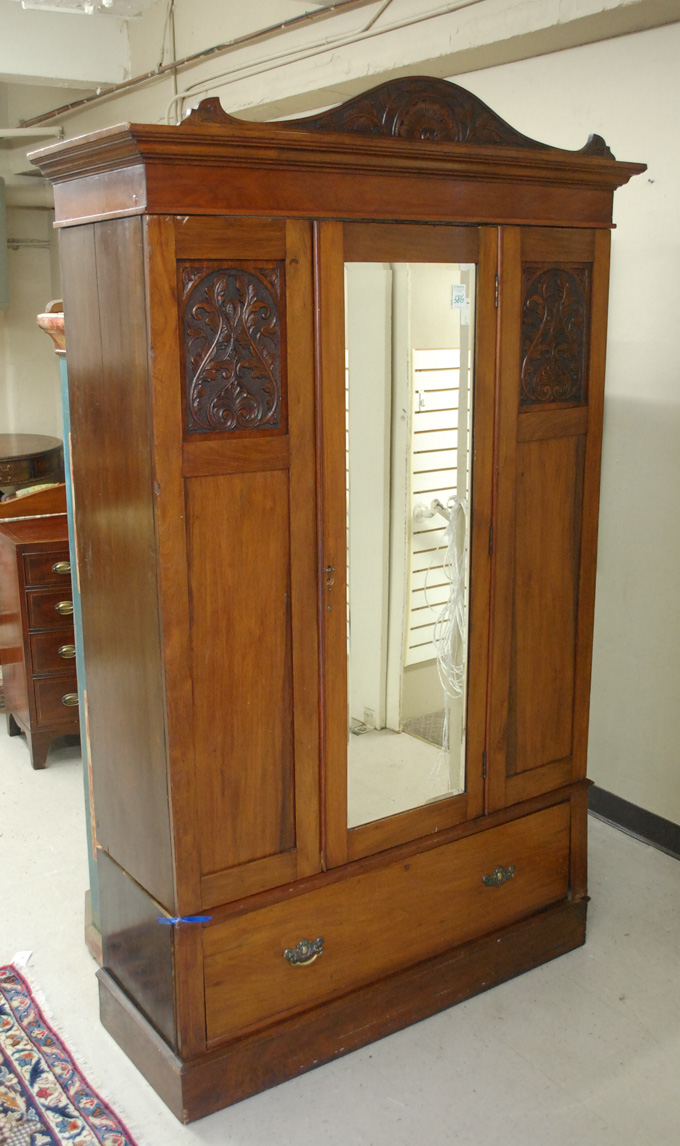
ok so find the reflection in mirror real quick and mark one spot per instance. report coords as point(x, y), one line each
point(409, 343)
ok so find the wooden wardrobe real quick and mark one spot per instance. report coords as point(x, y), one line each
point(249, 932)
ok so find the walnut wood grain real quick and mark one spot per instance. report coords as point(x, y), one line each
point(170, 523)
point(591, 500)
point(249, 878)
point(113, 493)
point(538, 423)
point(555, 325)
point(137, 949)
point(304, 551)
point(204, 456)
point(35, 681)
point(203, 556)
point(234, 350)
point(44, 501)
point(419, 108)
point(548, 509)
point(52, 652)
point(248, 981)
point(293, 1046)
point(505, 450)
point(541, 558)
point(399, 852)
point(219, 238)
point(239, 582)
point(404, 243)
point(189, 169)
point(332, 553)
point(26, 459)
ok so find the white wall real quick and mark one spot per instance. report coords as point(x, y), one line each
point(628, 90)
point(29, 369)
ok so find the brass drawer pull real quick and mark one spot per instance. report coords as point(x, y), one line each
point(61, 567)
point(64, 608)
point(67, 652)
point(304, 952)
point(70, 699)
point(498, 877)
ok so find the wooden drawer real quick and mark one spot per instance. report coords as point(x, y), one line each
point(48, 569)
point(382, 920)
point(49, 693)
point(42, 608)
point(52, 652)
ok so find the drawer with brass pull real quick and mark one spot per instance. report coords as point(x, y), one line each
point(56, 699)
point(49, 608)
point(37, 592)
point(47, 569)
point(52, 651)
point(328, 941)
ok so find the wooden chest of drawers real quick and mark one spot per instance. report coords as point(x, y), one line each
point(36, 636)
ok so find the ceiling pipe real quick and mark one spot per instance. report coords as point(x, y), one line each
point(299, 55)
point(294, 55)
point(206, 53)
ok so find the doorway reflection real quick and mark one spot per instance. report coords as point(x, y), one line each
point(409, 342)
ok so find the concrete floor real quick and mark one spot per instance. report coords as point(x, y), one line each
point(585, 1050)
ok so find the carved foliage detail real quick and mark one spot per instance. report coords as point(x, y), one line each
point(554, 334)
point(415, 107)
point(420, 108)
point(232, 348)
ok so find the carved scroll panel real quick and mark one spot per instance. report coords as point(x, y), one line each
point(555, 324)
point(233, 333)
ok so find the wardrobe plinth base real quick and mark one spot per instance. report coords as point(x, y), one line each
point(284, 1050)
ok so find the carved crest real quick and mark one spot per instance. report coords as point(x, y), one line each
point(232, 348)
point(419, 107)
point(554, 334)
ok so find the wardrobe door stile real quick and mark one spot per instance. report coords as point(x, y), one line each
point(330, 307)
point(551, 377)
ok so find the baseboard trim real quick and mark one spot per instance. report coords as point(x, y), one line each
point(636, 821)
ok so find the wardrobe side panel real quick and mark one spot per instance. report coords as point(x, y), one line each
point(103, 280)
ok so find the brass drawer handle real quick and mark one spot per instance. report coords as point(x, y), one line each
point(304, 952)
point(498, 877)
point(67, 652)
point(61, 567)
point(70, 699)
point(64, 608)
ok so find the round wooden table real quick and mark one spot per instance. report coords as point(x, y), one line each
point(27, 459)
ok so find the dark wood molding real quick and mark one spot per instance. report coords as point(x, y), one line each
point(415, 108)
point(636, 821)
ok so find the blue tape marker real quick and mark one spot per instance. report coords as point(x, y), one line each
point(185, 919)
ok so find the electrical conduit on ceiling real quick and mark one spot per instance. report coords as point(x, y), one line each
point(278, 60)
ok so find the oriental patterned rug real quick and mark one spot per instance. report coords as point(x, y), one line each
point(45, 1100)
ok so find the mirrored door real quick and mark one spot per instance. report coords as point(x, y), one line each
point(409, 346)
point(400, 588)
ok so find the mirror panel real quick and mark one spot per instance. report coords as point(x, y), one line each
point(408, 388)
